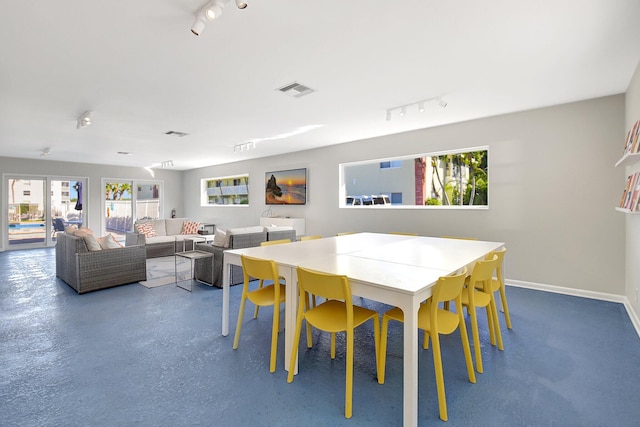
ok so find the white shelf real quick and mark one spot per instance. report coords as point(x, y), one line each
point(628, 159)
point(298, 224)
point(627, 211)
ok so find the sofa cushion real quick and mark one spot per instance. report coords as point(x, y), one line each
point(190, 227)
point(160, 239)
point(220, 238)
point(146, 228)
point(174, 225)
point(91, 242)
point(108, 242)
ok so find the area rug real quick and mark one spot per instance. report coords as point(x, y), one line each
point(161, 271)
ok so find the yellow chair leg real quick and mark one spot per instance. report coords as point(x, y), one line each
point(382, 354)
point(333, 345)
point(437, 364)
point(476, 338)
point(492, 333)
point(505, 307)
point(464, 337)
point(294, 348)
point(255, 312)
point(496, 322)
point(236, 339)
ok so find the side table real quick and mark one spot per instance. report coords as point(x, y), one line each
point(192, 256)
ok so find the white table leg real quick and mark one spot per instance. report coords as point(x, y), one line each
point(291, 311)
point(410, 379)
point(226, 273)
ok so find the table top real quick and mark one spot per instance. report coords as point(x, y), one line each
point(402, 263)
point(194, 254)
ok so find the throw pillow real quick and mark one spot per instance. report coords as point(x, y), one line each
point(81, 232)
point(108, 242)
point(190, 227)
point(70, 229)
point(91, 242)
point(219, 237)
point(146, 228)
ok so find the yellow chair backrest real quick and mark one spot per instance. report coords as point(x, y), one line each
point(449, 287)
point(259, 268)
point(402, 233)
point(344, 233)
point(314, 237)
point(328, 286)
point(275, 242)
point(482, 274)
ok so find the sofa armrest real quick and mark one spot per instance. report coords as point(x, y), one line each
point(282, 234)
point(109, 267)
point(134, 239)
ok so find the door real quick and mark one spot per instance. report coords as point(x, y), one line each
point(34, 215)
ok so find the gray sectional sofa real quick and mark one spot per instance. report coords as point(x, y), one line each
point(168, 240)
point(86, 270)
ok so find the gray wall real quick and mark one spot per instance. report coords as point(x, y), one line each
point(632, 113)
point(553, 189)
point(172, 182)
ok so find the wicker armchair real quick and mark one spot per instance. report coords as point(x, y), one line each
point(87, 271)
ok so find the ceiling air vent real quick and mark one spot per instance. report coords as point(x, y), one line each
point(176, 133)
point(295, 90)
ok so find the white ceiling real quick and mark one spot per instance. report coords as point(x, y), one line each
point(141, 71)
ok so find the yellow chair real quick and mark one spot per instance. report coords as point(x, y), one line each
point(275, 242)
point(344, 233)
point(261, 282)
point(480, 295)
point(336, 314)
point(497, 284)
point(317, 236)
point(273, 294)
point(435, 322)
point(401, 233)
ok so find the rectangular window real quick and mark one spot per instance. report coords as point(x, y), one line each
point(457, 178)
point(225, 191)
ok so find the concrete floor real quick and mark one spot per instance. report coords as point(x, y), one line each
point(155, 357)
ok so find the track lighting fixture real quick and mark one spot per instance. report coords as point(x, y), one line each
point(84, 120)
point(402, 109)
point(211, 11)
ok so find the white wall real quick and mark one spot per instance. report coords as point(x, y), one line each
point(553, 190)
point(92, 197)
point(632, 286)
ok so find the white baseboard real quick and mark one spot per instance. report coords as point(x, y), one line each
point(633, 316)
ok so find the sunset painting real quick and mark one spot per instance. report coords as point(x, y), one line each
point(286, 187)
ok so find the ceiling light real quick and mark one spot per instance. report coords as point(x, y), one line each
point(241, 4)
point(197, 26)
point(420, 104)
point(213, 11)
point(84, 120)
point(167, 164)
point(210, 11)
point(46, 152)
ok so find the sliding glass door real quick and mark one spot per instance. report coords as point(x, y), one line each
point(127, 201)
point(34, 215)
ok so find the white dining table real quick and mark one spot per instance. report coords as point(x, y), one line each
point(393, 269)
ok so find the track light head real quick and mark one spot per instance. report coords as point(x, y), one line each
point(197, 26)
point(213, 10)
point(442, 103)
point(241, 4)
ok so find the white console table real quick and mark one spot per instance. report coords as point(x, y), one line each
point(281, 221)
